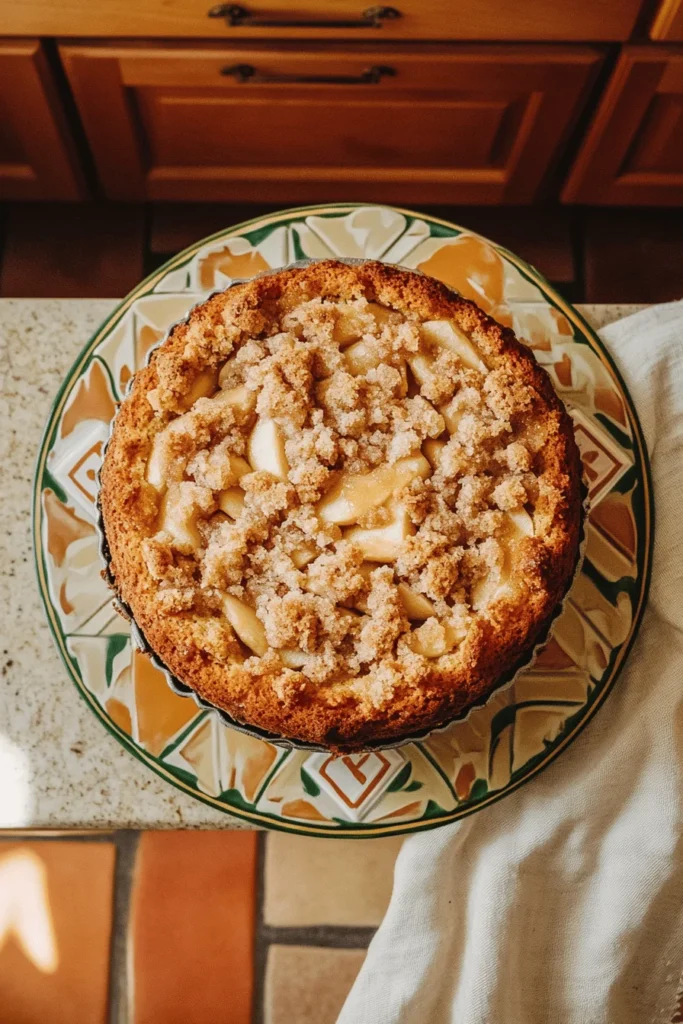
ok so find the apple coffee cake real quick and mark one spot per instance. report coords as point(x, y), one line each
point(342, 503)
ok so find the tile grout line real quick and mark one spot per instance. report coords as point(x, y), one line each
point(326, 936)
point(260, 941)
point(126, 850)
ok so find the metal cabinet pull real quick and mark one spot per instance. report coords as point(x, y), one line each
point(246, 73)
point(237, 16)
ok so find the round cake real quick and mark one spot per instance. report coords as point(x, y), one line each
point(342, 503)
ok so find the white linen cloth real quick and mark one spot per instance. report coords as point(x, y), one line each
point(563, 902)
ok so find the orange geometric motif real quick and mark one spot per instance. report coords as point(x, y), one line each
point(372, 779)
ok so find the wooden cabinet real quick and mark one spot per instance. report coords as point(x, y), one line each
point(306, 123)
point(327, 19)
point(668, 22)
point(633, 152)
point(319, 100)
point(37, 158)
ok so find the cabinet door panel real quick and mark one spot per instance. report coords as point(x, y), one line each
point(326, 19)
point(326, 132)
point(633, 152)
point(461, 124)
point(37, 157)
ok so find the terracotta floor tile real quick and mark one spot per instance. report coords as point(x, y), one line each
point(192, 928)
point(308, 985)
point(313, 881)
point(56, 903)
point(79, 250)
point(633, 255)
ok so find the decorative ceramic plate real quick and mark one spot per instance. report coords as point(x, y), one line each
point(454, 771)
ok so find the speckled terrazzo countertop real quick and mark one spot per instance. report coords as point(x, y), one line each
point(59, 768)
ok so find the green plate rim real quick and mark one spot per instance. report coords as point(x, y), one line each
point(357, 831)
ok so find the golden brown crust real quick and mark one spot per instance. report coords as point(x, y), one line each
point(403, 692)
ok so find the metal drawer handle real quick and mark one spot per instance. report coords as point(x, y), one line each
point(247, 73)
point(237, 16)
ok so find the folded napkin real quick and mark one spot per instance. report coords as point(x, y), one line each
point(563, 902)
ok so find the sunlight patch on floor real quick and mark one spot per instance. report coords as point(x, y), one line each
point(25, 914)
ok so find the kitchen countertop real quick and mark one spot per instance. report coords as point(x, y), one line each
point(59, 768)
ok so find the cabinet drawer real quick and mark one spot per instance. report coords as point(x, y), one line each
point(668, 22)
point(37, 159)
point(633, 152)
point(328, 19)
point(419, 123)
